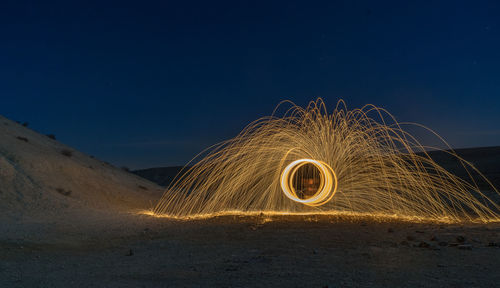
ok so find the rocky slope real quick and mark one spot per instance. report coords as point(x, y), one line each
point(41, 176)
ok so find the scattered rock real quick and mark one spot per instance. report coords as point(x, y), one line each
point(232, 268)
point(443, 243)
point(418, 231)
point(410, 238)
point(424, 244)
point(130, 253)
point(367, 255)
point(390, 230)
point(22, 138)
point(434, 238)
point(63, 192)
point(460, 239)
point(465, 247)
point(67, 152)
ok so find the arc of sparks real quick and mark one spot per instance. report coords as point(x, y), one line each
point(368, 164)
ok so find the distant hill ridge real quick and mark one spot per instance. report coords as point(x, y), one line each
point(485, 159)
point(159, 175)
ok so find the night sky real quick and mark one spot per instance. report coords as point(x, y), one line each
point(143, 84)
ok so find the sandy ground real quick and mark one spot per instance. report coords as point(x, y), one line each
point(120, 250)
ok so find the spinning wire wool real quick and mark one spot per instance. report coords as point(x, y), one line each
point(311, 161)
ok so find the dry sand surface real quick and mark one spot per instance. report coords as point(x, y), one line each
point(69, 220)
point(113, 250)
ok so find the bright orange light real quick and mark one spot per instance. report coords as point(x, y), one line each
point(278, 163)
point(327, 187)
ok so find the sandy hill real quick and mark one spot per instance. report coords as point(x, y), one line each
point(41, 176)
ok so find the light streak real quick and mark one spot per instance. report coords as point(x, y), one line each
point(369, 165)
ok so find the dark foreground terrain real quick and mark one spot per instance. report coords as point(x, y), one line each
point(247, 251)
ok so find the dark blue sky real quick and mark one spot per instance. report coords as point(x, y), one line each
point(146, 84)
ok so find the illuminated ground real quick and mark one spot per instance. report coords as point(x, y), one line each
point(242, 251)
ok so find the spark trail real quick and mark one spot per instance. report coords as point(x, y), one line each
point(371, 165)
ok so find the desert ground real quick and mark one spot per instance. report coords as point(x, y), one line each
point(119, 250)
point(68, 219)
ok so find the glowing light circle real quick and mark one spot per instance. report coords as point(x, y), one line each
point(328, 182)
